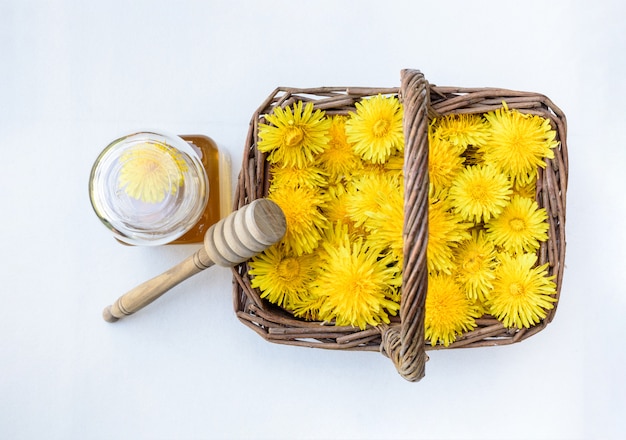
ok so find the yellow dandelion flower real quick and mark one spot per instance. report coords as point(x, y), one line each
point(445, 231)
point(339, 159)
point(305, 221)
point(519, 143)
point(444, 163)
point(356, 283)
point(479, 193)
point(520, 227)
point(448, 311)
point(311, 177)
point(475, 264)
point(295, 135)
point(376, 128)
point(282, 277)
point(385, 226)
point(521, 292)
point(368, 193)
point(462, 130)
point(151, 171)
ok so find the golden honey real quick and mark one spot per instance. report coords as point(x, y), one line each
point(217, 167)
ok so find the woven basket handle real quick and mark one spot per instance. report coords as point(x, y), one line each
point(404, 343)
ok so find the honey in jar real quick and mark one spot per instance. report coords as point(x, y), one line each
point(219, 205)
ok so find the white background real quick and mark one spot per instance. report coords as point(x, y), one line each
point(75, 75)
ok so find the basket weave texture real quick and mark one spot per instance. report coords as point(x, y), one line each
point(403, 339)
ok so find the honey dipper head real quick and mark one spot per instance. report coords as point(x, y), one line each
point(266, 221)
point(246, 232)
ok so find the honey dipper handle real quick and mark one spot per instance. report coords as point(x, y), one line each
point(233, 240)
point(145, 293)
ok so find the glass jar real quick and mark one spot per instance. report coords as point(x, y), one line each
point(149, 188)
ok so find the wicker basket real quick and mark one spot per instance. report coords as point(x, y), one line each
point(403, 340)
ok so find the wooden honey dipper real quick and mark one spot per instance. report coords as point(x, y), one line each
point(233, 240)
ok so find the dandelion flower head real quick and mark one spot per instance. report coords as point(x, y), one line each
point(375, 129)
point(448, 311)
point(339, 159)
point(522, 293)
point(282, 277)
point(520, 227)
point(305, 221)
point(356, 283)
point(294, 135)
point(476, 261)
point(480, 192)
point(461, 130)
point(519, 143)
